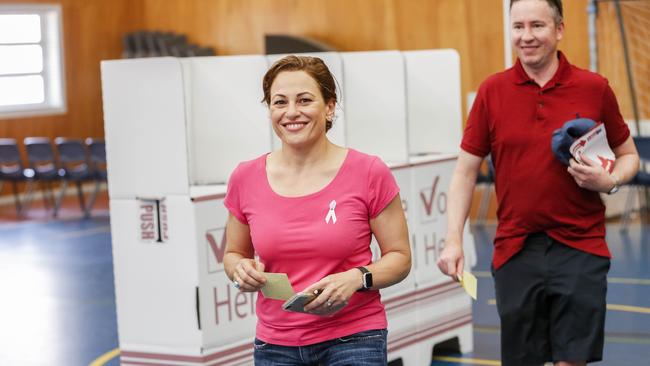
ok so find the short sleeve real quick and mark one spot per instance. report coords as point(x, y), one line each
point(382, 187)
point(476, 138)
point(617, 130)
point(233, 201)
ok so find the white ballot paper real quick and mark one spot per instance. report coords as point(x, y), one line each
point(594, 146)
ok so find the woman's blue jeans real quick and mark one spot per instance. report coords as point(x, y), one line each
point(366, 348)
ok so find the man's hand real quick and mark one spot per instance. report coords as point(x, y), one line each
point(452, 260)
point(590, 175)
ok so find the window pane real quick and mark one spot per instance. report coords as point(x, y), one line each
point(21, 59)
point(21, 90)
point(20, 28)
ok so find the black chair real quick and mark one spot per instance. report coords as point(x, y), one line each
point(97, 149)
point(486, 179)
point(12, 170)
point(46, 171)
point(641, 179)
point(75, 166)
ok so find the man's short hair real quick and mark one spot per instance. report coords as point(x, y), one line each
point(556, 6)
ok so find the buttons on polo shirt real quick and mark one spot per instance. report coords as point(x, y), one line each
point(539, 110)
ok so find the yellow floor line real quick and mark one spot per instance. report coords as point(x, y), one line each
point(614, 307)
point(471, 361)
point(101, 360)
point(628, 308)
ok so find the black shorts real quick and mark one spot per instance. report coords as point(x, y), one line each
point(551, 299)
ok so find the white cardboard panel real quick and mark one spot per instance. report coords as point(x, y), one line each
point(227, 315)
point(155, 283)
point(333, 62)
point(429, 219)
point(229, 123)
point(375, 103)
point(144, 121)
point(434, 101)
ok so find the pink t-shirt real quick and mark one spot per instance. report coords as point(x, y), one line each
point(301, 237)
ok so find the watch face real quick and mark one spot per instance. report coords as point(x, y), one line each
point(613, 190)
point(367, 280)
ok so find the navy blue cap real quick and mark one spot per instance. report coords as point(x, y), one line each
point(563, 137)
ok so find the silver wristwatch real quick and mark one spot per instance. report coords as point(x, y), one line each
point(616, 184)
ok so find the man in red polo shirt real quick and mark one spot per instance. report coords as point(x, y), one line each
point(550, 257)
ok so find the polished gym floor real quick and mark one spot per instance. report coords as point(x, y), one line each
point(57, 304)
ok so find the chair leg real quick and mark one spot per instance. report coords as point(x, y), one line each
point(627, 210)
point(82, 203)
point(93, 196)
point(59, 198)
point(45, 193)
point(19, 207)
point(29, 196)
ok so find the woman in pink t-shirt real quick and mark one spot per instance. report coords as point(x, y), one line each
point(309, 210)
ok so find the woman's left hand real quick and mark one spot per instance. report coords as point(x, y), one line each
point(334, 292)
point(590, 175)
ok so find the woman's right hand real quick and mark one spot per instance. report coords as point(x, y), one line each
point(248, 274)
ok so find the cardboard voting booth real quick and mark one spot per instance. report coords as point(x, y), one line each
point(175, 130)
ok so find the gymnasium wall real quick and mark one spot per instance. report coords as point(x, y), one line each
point(93, 31)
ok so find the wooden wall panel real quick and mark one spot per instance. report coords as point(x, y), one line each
point(575, 43)
point(92, 31)
point(473, 27)
point(636, 16)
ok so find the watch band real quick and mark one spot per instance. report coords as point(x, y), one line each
point(366, 277)
point(616, 184)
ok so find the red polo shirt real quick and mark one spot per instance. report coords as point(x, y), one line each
point(513, 119)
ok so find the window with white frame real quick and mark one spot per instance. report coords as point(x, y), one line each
point(31, 60)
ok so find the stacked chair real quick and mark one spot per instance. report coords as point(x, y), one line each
point(75, 169)
point(13, 171)
point(160, 44)
point(49, 166)
point(97, 159)
point(42, 162)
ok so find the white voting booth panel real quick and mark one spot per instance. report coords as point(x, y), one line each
point(374, 93)
point(427, 307)
point(433, 103)
point(144, 116)
point(182, 125)
point(220, 120)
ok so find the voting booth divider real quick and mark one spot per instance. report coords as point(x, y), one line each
point(176, 128)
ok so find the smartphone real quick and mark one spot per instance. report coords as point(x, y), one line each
point(298, 301)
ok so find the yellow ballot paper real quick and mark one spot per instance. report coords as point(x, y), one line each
point(277, 286)
point(469, 283)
